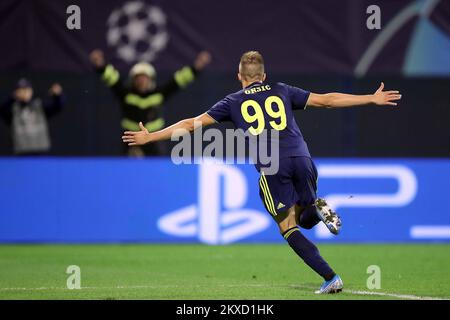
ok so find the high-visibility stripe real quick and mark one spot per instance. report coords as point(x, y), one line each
point(155, 125)
point(130, 125)
point(287, 234)
point(153, 100)
point(266, 200)
point(264, 180)
point(184, 76)
point(151, 126)
point(110, 75)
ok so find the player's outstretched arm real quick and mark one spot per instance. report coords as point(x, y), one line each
point(341, 100)
point(134, 138)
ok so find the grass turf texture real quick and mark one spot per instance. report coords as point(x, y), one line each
point(216, 272)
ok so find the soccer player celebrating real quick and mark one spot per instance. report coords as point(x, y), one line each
point(289, 195)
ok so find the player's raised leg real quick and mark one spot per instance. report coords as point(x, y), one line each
point(311, 210)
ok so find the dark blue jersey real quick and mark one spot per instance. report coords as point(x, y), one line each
point(260, 107)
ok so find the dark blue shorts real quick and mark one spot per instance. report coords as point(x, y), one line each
point(295, 183)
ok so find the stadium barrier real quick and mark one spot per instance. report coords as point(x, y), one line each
point(102, 200)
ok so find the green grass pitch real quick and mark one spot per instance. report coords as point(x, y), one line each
point(257, 271)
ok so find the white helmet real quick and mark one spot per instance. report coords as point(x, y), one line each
point(143, 68)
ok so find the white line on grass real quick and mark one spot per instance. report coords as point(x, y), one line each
point(377, 293)
point(395, 295)
point(355, 292)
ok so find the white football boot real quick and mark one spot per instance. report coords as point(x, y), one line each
point(335, 285)
point(328, 216)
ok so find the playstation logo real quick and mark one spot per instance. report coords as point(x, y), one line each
point(219, 217)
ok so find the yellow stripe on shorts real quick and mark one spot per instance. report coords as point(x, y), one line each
point(269, 200)
point(266, 200)
point(268, 193)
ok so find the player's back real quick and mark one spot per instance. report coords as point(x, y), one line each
point(263, 108)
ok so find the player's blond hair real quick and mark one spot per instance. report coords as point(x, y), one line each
point(251, 66)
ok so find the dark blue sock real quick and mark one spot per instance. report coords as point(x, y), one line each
point(306, 250)
point(309, 217)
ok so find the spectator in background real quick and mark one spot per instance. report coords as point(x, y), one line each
point(143, 99)
point(27, 117)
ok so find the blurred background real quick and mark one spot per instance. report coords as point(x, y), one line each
point(386, 170)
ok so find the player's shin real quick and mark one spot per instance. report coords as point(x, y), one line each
point(306, 250)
